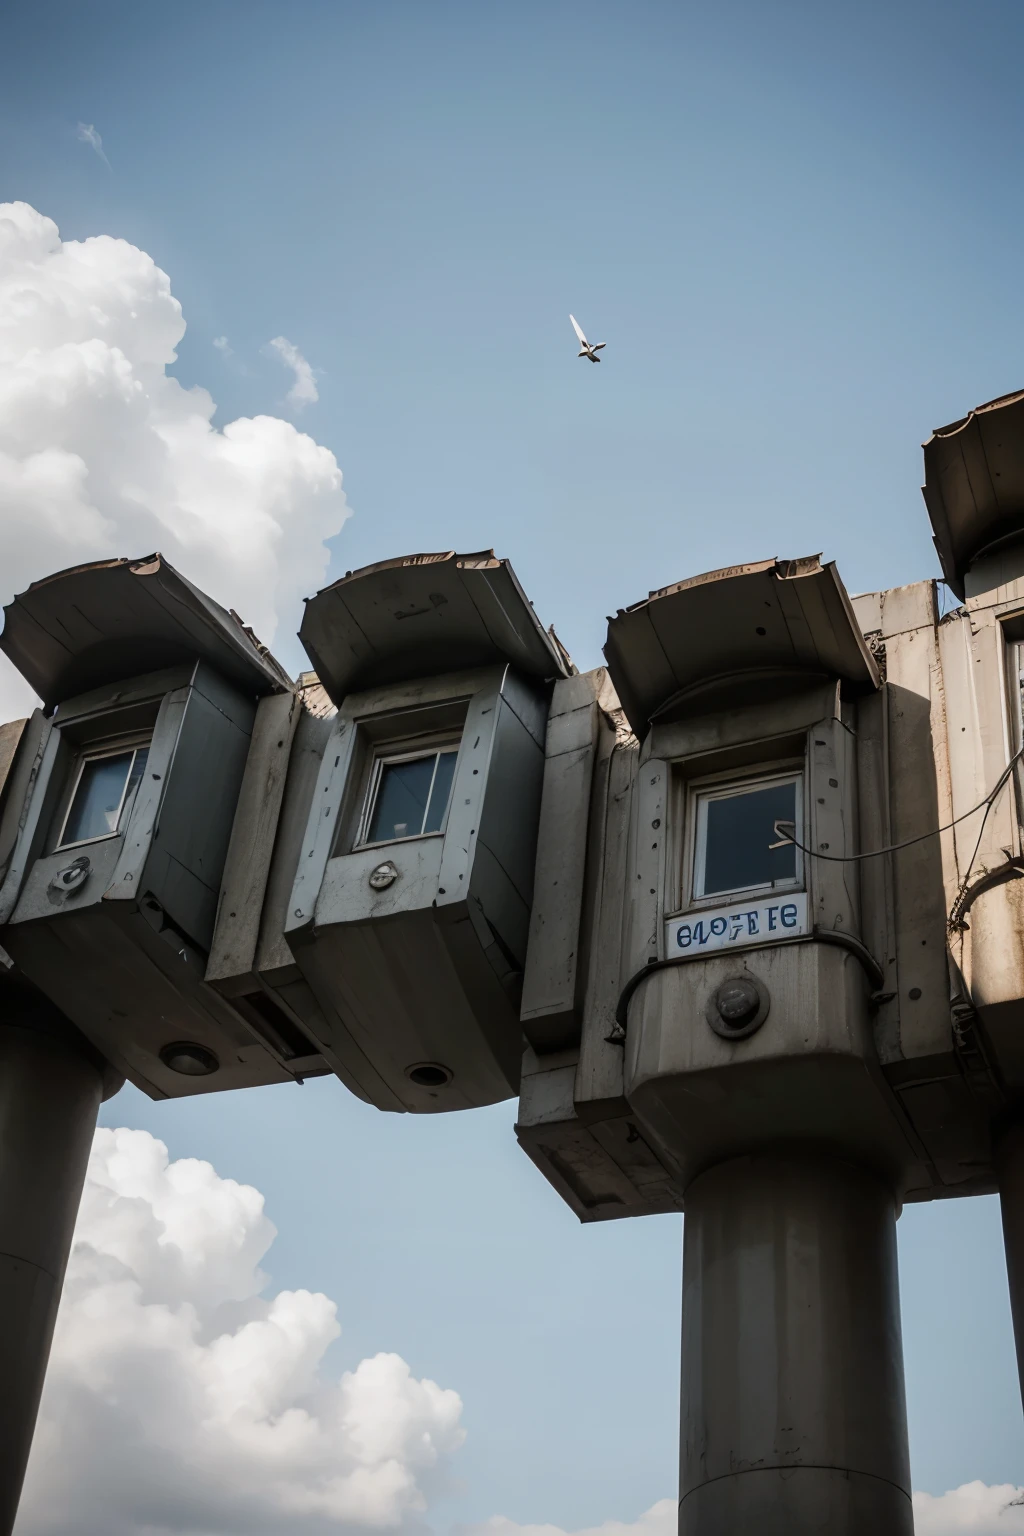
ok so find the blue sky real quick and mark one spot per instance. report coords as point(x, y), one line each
point(798, 229)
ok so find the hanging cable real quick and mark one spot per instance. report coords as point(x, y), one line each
point(785, 831)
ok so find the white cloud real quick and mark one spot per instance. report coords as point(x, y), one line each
point(103, 453)
point(180, 1399)
point(223, 346)
point(975, 1508)
point(87, 134)
point(661, 1519)
point(303, 391)
point(183, 1401)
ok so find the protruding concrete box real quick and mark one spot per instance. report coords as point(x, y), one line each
point(729, 1035)
point(117, 813)
point(974, 491)
point(410, 908)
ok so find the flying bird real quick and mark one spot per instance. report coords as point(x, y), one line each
point(586, 349)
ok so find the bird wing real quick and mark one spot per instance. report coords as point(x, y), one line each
point(576, 328)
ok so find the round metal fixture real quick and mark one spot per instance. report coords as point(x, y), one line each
point(384, 875)
point(429, 1074)
point(73, 876)
point(738, 1007)
point(189, 1059)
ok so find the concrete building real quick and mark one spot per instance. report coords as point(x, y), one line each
point(738, 917)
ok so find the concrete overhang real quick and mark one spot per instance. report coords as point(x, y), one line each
point(96, 624)
point(742, 634)
point(974, 484)
point(422, 615)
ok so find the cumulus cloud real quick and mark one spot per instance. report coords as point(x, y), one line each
point(303, 391)
point(976, 1508)
point(103, 452)
point(86, 134)
point(660, 1520)
point(223, 346)
point(182, 1399)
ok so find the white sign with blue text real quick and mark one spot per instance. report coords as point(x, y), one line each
point(756, 922)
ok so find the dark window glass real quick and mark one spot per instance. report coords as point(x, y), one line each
point(104, 795)
point(412, 797)
point(738, 831)
point(98, 795)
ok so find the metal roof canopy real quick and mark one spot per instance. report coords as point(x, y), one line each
point(974, 483)
point(702, 644)
point(422, 615)
point(95, 624)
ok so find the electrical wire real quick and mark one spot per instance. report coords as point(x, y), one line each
point(781, 827)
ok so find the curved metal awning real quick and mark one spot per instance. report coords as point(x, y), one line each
point(715, 636)
point(974, 483)
point(96, 624)
point(425, 614)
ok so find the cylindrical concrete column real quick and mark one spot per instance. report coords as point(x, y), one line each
point(51, 1085)
point(1009, 1160)
point(793, 1406)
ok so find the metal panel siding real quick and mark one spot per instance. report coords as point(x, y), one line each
point(510, 812)
point(465, 812)
point(307, 753)
point(646, 898)
point(505, 911)
point(321, 823)
point(14, 802)
point(920, 802)
point(877, 922)
point(126, 882)
point(190, 843)
point(11, 735)
point(554, 963)
point(599, 1076)
point(253, 833)
point(36, 806)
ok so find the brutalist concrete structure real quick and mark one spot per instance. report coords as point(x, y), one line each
point(737, 915)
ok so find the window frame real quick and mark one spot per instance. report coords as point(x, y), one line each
point(91, 754)
point(386, 755)
point(724, 786)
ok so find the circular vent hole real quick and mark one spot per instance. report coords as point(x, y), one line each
point(189, 1059)
point(429, 1074)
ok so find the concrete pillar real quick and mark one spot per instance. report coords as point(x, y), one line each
point(1009, 1161)
point(793, 1406)
point(51, 1085)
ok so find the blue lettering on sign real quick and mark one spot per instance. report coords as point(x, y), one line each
point(788, 915)
point(772, 924)
point(752, 926)
point(683, 936)
point(718, 925)
point(699, 936)
point(737, 925)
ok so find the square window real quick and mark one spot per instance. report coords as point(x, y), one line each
point(408, 795)
point(734, 828)
point(103, 794)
